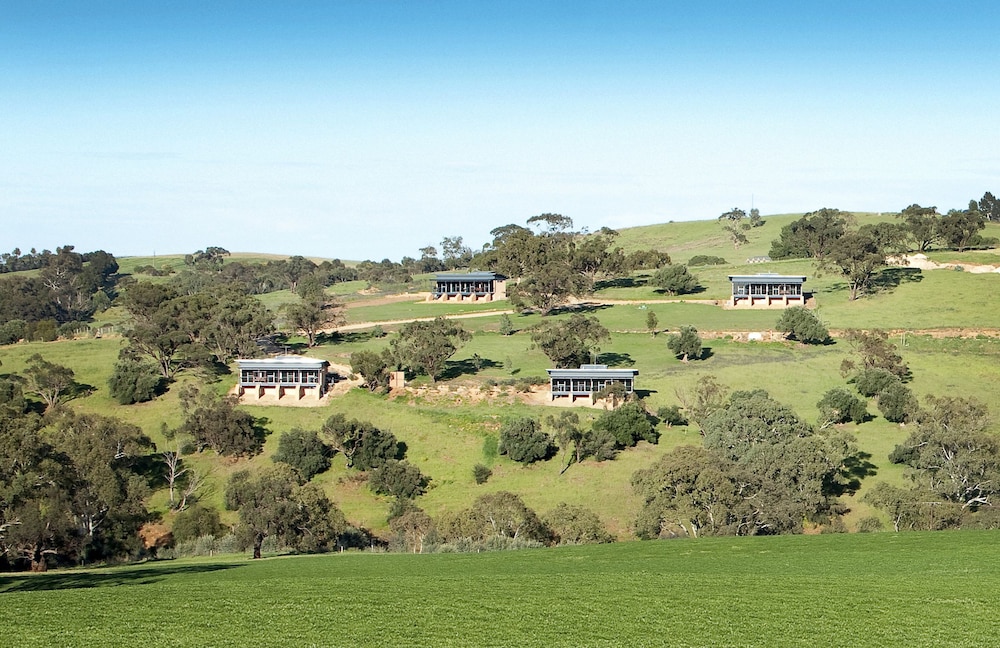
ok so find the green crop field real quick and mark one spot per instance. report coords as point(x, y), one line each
point(887, 589)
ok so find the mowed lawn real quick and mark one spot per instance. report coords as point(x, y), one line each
point(886, 589)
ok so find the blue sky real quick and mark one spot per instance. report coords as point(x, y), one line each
point(371, 129)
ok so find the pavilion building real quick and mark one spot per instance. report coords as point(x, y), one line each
point(588, 380)
point(469, 286)
point(767, 289)
point(283, 376)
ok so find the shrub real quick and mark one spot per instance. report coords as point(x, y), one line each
point(196, 522)
point(481, 473)
point(896, 402)
point(628, 425)
point(523, 441)
point(401, 479)
point(704, 259)
point(304, 451)
point(13, 331)
point(675, 280)
point(841, 406)
point(576, 525)
point(870, 524)
point(671, 415)
point(44, 331)
point(686, 344)
point(870, 382)
point(134, 380)
point(800, 323)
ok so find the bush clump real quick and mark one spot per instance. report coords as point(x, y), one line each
point(481, 473)
point(704, 260)
point(523, 441)
point(841, 406)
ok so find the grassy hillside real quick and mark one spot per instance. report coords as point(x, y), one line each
point(446, 425)
point(913, 589)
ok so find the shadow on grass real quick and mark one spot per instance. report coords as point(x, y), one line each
point(697, 290)
point(110, 578)
point(456, 368)
point(622, 282)
point(583, 307)
point(891, 278)
point(856, 468)
point(613, 359)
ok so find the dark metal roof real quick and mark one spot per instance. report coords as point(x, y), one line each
point(593, 371)
point(282, 362)
point(767, 278)
point(467, 276)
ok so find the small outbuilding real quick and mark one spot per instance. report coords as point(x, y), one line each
point(282, 376)
point(588, 379)
point(767, 289)
point(469, 286)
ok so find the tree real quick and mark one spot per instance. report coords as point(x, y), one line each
point(214, 422)
point(800, 323)
point(316, 310)
point(156, 325)
point(840, 406)
point(573, 525)
point(570, 342)
point(651, 323)
point(951, 454)
point(523, 441)
point(960, 228)
point(675, 280)
point(304, 451)
point(498, 516)
point(134, 380)
point(873, 381)
point(687, 492)
point(400, 479)
point(686, 344)
point(873, 350)
point(107, 488)
point(552, 224)
point(922, 225)
point(548, 286)
point(896, 402)
point(49, 381)
point(811, 236)
point(762, 471)
point(423, 347)
point(373, 368)
point(272, 504)
point(989, 207)
point(707, 396)
point(36, 509)
point(362, 444)
point(858, 254)
point(628, 425)
point(196, 522)
point(412, 527)
point(506, 327)
point(454, 253)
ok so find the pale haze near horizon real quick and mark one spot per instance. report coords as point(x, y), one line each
point(369, 130)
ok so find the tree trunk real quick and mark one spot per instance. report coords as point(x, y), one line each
point(257, 542)
point(38, 563)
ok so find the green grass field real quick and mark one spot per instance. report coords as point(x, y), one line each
point(887, 589)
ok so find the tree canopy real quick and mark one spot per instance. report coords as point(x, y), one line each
point(424, 346)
